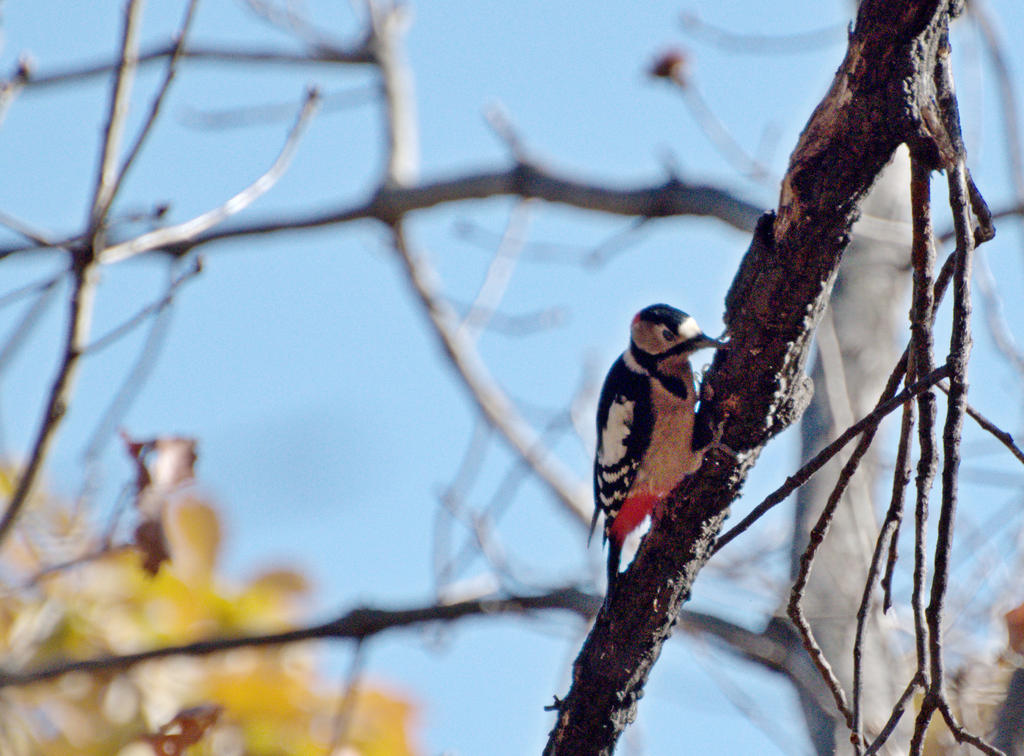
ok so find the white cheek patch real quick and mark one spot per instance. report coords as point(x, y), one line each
point(689, 329)
point(612, 448)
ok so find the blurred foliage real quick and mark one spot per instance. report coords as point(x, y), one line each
point(67, 594)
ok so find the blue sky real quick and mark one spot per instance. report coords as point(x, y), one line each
point(327, 418)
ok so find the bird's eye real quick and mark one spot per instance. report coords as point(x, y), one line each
point(668, 335)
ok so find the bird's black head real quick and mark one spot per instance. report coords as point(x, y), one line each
point(660, 330)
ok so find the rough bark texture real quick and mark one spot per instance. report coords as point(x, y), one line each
point(882, 96)
point(1009, 737)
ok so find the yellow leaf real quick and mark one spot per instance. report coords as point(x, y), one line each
point(193, 531)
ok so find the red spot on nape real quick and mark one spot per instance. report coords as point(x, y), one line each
point(632, 513)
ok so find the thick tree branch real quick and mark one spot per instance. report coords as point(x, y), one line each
point(881, 97)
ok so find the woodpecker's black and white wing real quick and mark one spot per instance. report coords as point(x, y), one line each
point(624, 424)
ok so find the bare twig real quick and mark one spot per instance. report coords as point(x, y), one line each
point(144, 363)
point(84, 278)
point(183, 233)
point(517, 474)
point(358, 625)
point(492, 401)
point(358, 55)
point(565, 254)
point(795, 608)
point(28, 290)
point(1007, 96)
point(158, 99)
point(230, 118)
point(402, 164)
point(670, 199)
point(107, 177)
point(403, 154)
point(960, 351)
point(79, 321)
point(11, 88)
point(1004, 438)
point(452, 498)
point(894, 516)
point(36, 235)
point(801, 476)
point(672, 67)
point(887, 536)
point(499, 273)
point(151, 309)
point(915, 686)
point(922, 318)
point(21, 331)
point(762, 44)
point(289, 20)
point(347, 705)
point(997, 325)
point(961, 734)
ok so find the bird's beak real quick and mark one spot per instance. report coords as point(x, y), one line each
point(706, 342)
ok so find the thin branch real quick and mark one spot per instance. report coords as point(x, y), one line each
point(960, 351)
point(288, 20)
point(11, 88)
point(142, 315)
point(795, 609)
point(358, 625)
point(85, 277)
point(1007, 96)
point(564, 254)
point(231, 118)
point(902, 474)
point(183, 233)
point(23, 329)
point(763, 44)
point(670, 199)
point(358, 54)
point(499, 273)
point(517, 474)
point(400, 123)
point(920, 359)
point(672, 67)
point(915, 686)
point(961, 734)
point(79, 322)
point(492, 401)
point(1004, 438)
point(136, 377)
point(801, 476)
point(158, 99)
point(40, 237)
point(451, 500)
point(36, 287)
point(887, 536)
point(998, 328)
point(107, 176)
point(347, 706)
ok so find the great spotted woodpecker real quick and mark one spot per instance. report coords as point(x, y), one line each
point(645, 424)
